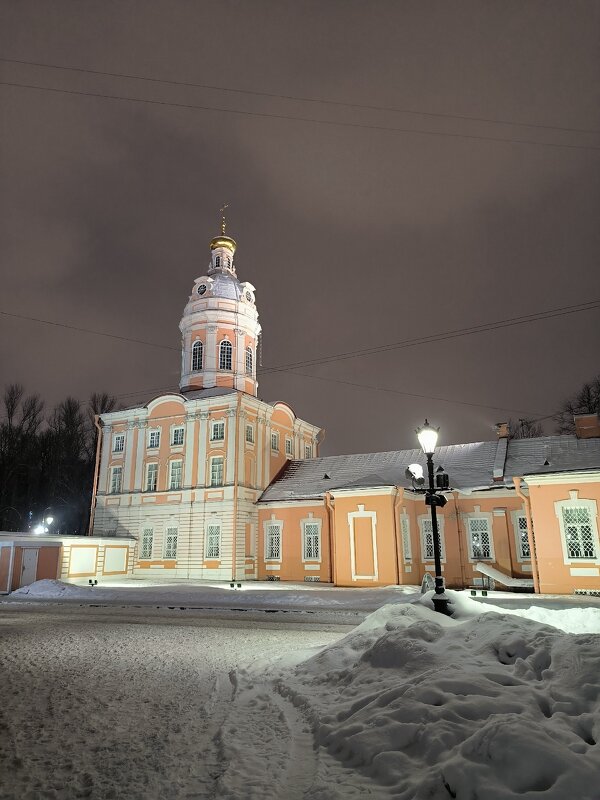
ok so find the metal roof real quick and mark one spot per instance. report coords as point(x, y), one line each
point(549, 454)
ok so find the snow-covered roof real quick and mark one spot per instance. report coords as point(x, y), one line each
point(469, 466)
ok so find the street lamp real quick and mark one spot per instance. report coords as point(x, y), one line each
point(427, 436)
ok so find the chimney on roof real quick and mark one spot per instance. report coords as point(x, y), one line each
point(587, 426)
point(502, 430)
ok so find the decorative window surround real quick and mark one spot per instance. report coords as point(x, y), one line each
point(519, 523)
point(147, 543)
point(289, 446)
point(225, 355)
point(480, 539)
point(175, 474)
point(116, 479)
point(249, 434)
point(212, 540)
point(426, 532)
point(177, 435)
point(352, 516)
point(217, 430)
point(311, 538)
point(275, 441)
point(577, 520)
point(151, 477)
point(307, 451)
point(118, 442)
point(170, 545)
point(216, 470)
point(273, 530)
point(405, 532)
point(249, 362)
point(197, 356)
point(153, 438)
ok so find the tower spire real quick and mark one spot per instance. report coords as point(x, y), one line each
point(223, 220)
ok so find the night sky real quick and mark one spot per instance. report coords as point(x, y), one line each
point(355, 236)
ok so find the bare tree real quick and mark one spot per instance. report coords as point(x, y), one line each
point(584, 401)
point(524, 429)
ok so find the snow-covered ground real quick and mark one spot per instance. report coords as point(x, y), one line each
point(161, 701)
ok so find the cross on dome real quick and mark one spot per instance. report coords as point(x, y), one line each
point(223, 241)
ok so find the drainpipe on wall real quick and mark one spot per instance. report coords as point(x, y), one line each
point(96, 476)
point(461, 553)
point(329, 506)
point(235, 488)
point(530, 534)
point(398, 501)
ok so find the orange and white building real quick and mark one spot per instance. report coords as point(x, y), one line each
point(213, 483)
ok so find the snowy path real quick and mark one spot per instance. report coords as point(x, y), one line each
point(102, 705)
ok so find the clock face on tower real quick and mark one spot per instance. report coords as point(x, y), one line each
point(202, 288)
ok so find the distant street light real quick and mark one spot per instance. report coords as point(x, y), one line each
point(427, 436)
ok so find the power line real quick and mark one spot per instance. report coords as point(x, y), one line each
point(359, 125)
point(299, 98)
point(440, 337)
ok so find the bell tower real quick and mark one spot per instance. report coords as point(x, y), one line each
point(220, 327)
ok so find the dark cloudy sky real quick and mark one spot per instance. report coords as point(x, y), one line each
point(354, 236)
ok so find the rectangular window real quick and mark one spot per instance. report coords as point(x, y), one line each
point(154, 438)
point(273, 541)
point(217, 431)
point(147, 542)
point(289, 447)
point(212, 539)
point(170, 550)
point(480, 538)
point(177, 435)
point(578, 532)
point(406, 548)
point(116, 476)
point(216, 471)
point(523, 537)
point(249, 434)
point(118, 442)
point(274, 440)
point(307, 451)
point(175, 472)
point(151, 477)
point(312, 541)
point(427, 534)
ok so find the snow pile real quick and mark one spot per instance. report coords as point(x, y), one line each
point(419, 706)
point(53, 589)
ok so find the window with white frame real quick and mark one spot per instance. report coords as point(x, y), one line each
point(307, 451)
point(170, 547)
point(197, 355)
point(405, 528)
point(289, 446)
point(249, 361)
point(175, 474)
point(274, 440)
point(427, 539)
point(216, 471)
point(250, 434)
point(311, 540)
point(146, 543)
point(480, 538)
point(217, 261)
point(116, 477)
point(177, 435)
point(522, 537)
point(212, 539)
point(118, 442)
point(225, 355)
point(217, 431)
point(273, 541)
point(578, 532)
point(154, 438)
point(151, 477)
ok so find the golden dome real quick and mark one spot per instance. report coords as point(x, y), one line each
point(223, 241)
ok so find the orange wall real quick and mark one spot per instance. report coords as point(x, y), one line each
point(292, 567)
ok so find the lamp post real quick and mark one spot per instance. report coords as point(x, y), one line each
point(427, 436)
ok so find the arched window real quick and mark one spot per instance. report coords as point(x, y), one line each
point(197, 356)
point(249, 361)
point(217, 261)
point(225, 351)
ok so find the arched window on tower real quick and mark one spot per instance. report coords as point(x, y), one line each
point(249, 361)
point(197, 352)
point(225, 352)
point(217, 261)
